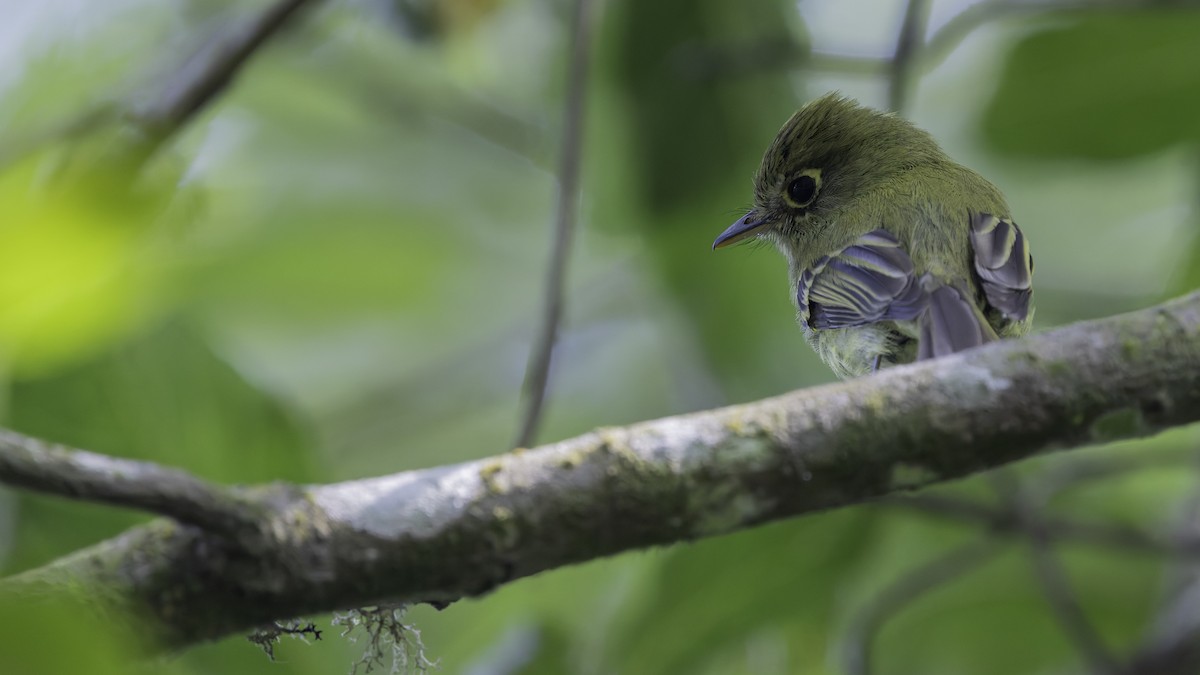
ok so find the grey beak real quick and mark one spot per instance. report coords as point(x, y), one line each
point(743, 228)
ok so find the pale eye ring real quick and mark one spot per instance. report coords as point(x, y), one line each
point(802, 191)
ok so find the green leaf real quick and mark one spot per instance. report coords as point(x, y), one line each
point(1109, 86)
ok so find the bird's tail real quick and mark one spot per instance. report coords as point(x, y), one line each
point(950, 324)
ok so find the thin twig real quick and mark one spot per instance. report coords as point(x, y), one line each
point(867, 623)
point(181, 97)
point(945, 39)
point(908, 44)
point(1066, 475)
point(1170, 646)
point(541, 354)
point(1051, 576)
point(54, 469)
point(1003, 520)
point(210, 71)
point(1057, 588)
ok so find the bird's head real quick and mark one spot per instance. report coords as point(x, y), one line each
point(830, 153)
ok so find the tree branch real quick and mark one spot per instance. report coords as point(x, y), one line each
point(1052, 576)
point(908, 44)
point(35, 465)
point(180, 97)
point(954, 31)
point(440, 534)
point(1171, 646)
point(210, 71)
point(1003, 520)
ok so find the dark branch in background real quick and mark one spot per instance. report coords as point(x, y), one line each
point(1052, 577)
point(208, 73)
point(445, 533)
point(766, 54)
point(908, 45)
point(953, 32)
point(180, 97)
point(1027, 516)
point(1002, 520)
point(1172, 644)
point(541, 353)
point(34, 465)
point(864, 628)
point(1056, 586)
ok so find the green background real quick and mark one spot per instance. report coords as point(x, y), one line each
point(336, 272)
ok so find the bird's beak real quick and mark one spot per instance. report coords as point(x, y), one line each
point(743, 228)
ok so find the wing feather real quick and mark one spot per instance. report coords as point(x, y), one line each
point(1004, 265)
point(874, 280)
point(871, 280)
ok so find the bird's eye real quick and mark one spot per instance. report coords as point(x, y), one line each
point(802, 191)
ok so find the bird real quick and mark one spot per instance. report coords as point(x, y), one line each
point(895, 252)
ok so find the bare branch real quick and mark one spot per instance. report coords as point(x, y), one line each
point(440, 534)
point(541, 354)
point(53, 469)
point(908, 45)
point(1172, 643)
point(1002, 520)
point(953, 32)
point(1052, 578)
point(209, 72)
point(1057, 588)
point(178, 99)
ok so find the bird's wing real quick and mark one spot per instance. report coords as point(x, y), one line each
point(871, 280)
point(874, 280)
point(1004, 265)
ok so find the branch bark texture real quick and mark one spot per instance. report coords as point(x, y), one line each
point(440, 534)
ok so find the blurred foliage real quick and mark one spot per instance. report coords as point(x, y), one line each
point(78, 269)
point(335, 272)
point(59, 638)
point(694, 138)
point(702, 590)
point(1100, 86)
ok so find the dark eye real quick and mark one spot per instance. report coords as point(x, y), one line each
point(802, 190)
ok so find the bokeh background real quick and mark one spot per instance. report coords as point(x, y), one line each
point(336, 270)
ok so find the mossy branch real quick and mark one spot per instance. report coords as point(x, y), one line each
point(440, 534)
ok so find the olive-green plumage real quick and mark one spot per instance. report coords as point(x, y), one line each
point(895, 252)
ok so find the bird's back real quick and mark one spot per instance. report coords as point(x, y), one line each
point(929, 210)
